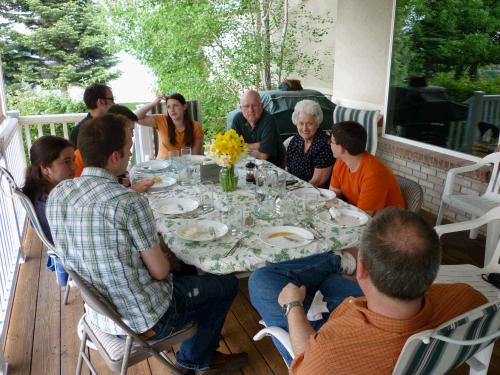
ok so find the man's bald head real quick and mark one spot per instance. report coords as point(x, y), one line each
point(401, 253)
point(251, 106)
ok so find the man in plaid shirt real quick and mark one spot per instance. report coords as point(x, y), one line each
point(107, 234)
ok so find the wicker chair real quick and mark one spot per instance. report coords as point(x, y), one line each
point(412, 193)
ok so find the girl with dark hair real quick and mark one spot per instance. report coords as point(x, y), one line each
point(52, 160)
point(176, 129)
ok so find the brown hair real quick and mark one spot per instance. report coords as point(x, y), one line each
point(100, 137)
point(351, 135)
point(43, 152)
point(188, 123)
point(401, 252)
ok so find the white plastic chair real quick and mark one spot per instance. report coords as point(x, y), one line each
point(368, 119)
point(30, 210)
point(467, 273)
point(476, 205)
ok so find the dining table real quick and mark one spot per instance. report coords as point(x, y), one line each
point(229, 245)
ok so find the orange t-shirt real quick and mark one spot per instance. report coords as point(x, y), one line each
point(78, 163)
point(164, 142)
point(371, 187)
point(358, 341)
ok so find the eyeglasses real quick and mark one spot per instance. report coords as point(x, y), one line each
point(246, 107)
point(112, 99)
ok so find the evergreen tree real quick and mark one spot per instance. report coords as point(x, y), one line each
point(54, 43)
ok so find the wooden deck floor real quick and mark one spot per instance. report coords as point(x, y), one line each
point(42, 338)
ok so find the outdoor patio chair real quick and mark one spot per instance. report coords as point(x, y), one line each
point(476, 205)
point(365, 117)
point(412, 193)
point(467, 273)
point(287, 141)
point(467, 338)
point(121, 353)
point(30, 210)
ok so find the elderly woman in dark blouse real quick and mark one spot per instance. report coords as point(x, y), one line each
point(309, 156)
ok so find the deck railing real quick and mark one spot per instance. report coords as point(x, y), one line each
point(12, 223)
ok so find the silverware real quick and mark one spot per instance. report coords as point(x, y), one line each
point(291, 239)
point(321, 194)
point(315, 231)
point(234, 248)
point(211, 230)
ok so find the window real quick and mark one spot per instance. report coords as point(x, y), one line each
point(445, 77)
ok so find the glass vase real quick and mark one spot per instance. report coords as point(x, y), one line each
point(228, 179)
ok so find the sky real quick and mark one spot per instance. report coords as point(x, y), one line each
point(136, 84)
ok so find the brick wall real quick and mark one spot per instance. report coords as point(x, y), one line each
point(429, 169)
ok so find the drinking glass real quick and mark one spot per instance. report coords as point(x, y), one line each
point(173, 156)
point(186, 151)
point(311, 205)
point(207, 196)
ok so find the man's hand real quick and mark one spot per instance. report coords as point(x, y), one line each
point(290, 293)
point(143, 185)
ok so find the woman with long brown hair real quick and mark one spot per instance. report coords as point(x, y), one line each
point(176, 129)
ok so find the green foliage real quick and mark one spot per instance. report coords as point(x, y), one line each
point(446, 36)
point(211, 50)
point(462, 88)
point(62, 43)
point(33, 102)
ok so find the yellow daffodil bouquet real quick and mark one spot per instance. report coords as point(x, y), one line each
point(225, 149)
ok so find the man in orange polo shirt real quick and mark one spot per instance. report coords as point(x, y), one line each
point(358, 176)
point(399, 257)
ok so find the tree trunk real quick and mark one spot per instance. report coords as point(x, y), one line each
point(283, 39)
point(266, 36)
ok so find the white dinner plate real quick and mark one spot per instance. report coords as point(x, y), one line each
point(153, 166)
point(201, 230)
point(286, 236)
point(302, 193)
point(165, 182)
point(346, 217)
point(175, 206)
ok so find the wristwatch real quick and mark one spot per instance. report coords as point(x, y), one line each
point(289, 306)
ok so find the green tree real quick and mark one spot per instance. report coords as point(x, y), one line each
point(453, 35)
point(211, 50)
point(54, 43)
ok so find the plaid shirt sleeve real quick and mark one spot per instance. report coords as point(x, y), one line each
point(141, 225)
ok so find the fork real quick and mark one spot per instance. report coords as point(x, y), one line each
point(321, 194)
point(315, 230)
point(211, 230)
point(234, 248)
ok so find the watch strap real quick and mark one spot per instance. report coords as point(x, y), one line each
point(287, 307)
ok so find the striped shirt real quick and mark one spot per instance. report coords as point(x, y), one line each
point(99, 229)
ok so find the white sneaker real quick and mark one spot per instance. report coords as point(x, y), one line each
point(347, 262)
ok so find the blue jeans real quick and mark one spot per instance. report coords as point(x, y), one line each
point(206, 300)
point(316, 272)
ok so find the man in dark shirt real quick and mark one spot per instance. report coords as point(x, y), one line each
point(259, 129)
point(98, 98)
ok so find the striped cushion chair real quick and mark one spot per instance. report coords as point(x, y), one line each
point(468, 338)
point(366, 118)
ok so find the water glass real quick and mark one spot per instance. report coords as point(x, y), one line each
point(186, 152)
point(207, 197)
point(311, 205)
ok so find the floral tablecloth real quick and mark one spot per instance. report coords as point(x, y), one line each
point(253, 253)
